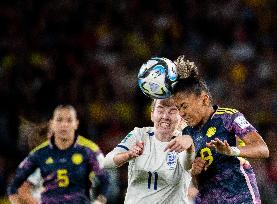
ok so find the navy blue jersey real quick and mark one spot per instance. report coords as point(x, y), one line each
point(228, 179)
point(66, 174)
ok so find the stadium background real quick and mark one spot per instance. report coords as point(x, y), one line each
point(87, 53)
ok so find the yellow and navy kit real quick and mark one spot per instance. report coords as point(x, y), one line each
point(66, 174)
point(227, 179)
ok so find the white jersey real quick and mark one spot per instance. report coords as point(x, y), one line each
point(155, 176)
point(36, 180)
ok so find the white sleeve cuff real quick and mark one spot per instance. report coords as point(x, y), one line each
point(108, 161)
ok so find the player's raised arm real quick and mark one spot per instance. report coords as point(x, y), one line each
point(129, 148)
point(181, 143)
point(121, 158)
point(254, 147)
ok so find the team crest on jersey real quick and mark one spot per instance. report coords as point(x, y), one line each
point(171, 160)
point(49, 160)
point(211, 131)
point(77, 158)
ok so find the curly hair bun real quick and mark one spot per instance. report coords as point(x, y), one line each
point(186, 68)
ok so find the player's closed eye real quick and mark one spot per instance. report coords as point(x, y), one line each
point(59, 119)
point(183, 107)
point(173, 111)
point(160, 110)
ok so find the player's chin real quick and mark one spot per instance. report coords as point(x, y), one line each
point(191, 123)
point(63, 136)
point(165, 131)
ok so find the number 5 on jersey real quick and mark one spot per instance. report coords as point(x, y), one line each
point(62, 178)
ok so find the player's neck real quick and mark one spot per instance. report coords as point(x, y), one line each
point(208, 113)
point(163, 138)
point(62, 143)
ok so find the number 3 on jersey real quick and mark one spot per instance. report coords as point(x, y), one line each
point(63, 180)
point(206, 154)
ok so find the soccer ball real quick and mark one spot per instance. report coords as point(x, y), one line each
point(156, 77)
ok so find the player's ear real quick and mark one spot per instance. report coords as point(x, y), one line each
point(205, 98)
point(152, 117)
point(77, 124)
point(50, 125)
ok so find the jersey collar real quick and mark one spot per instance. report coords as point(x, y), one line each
point(215, 107)
point(54, 146)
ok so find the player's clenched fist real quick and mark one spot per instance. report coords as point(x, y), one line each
point(179, 144)
point(136, 150)
point(198, 166)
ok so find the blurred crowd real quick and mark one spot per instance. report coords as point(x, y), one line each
point(87, 53)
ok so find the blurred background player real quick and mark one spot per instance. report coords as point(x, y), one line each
point(228, 178)
point(156, 175)
point(30, 191)
point(67, 163)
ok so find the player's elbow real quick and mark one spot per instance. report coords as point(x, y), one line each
point(265, 151)
point(109, 161)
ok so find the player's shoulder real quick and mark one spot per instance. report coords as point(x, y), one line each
point(138, 134)
point(143, 132)
point(225, 111)
point(231, 117)
point(40, 147)
point(187, 130)
point(84, 142)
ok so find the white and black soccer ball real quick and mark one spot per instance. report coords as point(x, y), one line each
point(156, 77)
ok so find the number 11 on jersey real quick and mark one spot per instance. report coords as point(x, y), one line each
point(155, 180)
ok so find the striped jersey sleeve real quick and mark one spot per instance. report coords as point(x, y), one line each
point(234, 121)
point(129, 141)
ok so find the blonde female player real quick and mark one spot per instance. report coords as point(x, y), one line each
point(158, 166)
